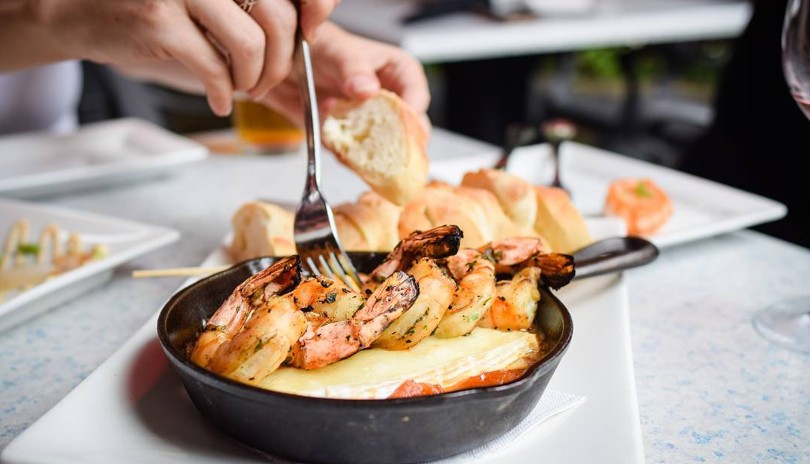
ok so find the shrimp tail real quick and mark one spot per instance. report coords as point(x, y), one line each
point(438, 242)
point(385, 305)
point(557, 269)
point(276, 279)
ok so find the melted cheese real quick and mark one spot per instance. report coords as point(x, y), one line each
point(376, 373)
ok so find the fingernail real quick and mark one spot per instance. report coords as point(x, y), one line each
point(362, 85)
point(222, 109)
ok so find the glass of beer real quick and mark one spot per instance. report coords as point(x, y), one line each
point(262, 130)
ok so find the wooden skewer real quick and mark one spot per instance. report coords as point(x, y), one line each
point(177, 272)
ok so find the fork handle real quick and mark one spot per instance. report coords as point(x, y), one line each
point(306, 84)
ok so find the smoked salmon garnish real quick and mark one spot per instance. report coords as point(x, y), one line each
point(643, 205)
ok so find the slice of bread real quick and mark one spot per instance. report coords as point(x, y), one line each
point(515, 195)
point(349, 232)
point(386, 214)
point(369, 224)
point(382, 141)
point(500, 224)
point(441, 205)
point(261, 229)
point(559, 221)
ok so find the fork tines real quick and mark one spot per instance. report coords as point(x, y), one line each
point(325, 258)
point(329, 262)
point(320, 250)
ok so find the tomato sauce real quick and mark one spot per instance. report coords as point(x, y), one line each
point(412, 389)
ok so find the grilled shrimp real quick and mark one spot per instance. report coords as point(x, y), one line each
point(263, 343)
point(510, 252)
point(439, 242)
point(253, 293)
point(436, 290)
point(513, 254)
point(515, 302)
point(474, 296)
point(326, 342)
point(327, 297)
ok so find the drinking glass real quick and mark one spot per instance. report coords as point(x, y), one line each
point(787, 322)
point(262, 130)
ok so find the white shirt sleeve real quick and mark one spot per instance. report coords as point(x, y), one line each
point(42, 98)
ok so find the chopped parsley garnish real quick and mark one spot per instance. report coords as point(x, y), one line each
point(31, 249)
point(642, 190)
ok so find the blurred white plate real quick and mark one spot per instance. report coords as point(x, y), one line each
point(36, 164)
point(702, 208)
point(124, 239)
point(134, 409)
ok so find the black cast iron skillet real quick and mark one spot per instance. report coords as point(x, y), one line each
point(371, 431)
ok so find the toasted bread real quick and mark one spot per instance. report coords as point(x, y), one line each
point(381, 140)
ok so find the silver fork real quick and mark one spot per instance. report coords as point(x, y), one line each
point(315, 238)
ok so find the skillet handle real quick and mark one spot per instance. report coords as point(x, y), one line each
point(612, 255)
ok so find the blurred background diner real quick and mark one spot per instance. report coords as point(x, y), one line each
point(691, 84)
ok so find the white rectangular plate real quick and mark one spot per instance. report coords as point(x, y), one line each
point(134, 409)
point(103, 153)
point(124, 239)
point(702, 208)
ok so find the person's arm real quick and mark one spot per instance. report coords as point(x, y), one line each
point(224, 46)
point(25, 38)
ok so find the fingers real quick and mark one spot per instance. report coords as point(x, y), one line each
point(358, 68)
point(278, 19)
point(258, 47)
point(241, 38)
point(313, 14)
point(405, 76)
point(187, 45)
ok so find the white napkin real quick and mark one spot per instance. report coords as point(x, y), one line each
point(551, 403)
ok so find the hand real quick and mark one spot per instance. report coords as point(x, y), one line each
point(224, 47)
point(349, 66)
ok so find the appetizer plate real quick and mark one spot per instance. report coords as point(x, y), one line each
point(703, 208)
point(124, 239)
point(134, 408)
point(104, 153)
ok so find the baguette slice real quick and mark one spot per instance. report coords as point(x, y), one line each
point(369, 224)
point(382, 141)
point(350, 235)
point(261, 229)
point(559, 221)
point(500, 224)
point(440, 205)
point(515, 195)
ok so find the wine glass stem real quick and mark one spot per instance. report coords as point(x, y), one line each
point(555, 153)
